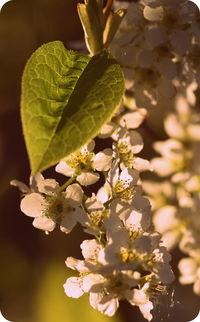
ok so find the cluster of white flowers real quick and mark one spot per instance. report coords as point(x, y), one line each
point(177, 199)
point(127, 259)
point(158, 47)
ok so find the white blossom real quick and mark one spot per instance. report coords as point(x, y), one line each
point(83, 164)
point(190, 272)
point(156, 49)
point(123, 184)
point(93, 217)
point(108, 282)
point(128, 144)
point(49, 205)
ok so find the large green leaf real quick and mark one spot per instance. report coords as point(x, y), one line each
point(66, 98)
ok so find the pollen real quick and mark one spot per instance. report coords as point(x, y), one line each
point(81, 161)
point(97, 217)
point(123, 191)
point(127, 255)
point(55, 207)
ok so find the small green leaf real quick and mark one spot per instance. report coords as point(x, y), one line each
point(66, 98)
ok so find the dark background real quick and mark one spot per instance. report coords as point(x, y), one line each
point(32, 268)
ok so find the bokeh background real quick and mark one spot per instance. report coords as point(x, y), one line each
point(32, 269)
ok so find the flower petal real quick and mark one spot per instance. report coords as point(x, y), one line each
point(33, 204)
point(142, 164)
point(44, 223)
point(22, 186)
point(74, 194)
point(93, 283)
point(108, 305)
point(90, 249)
point(107, 130)
point(48, 186)
point(145, 310)
point(73, 288)
point(68, 222)
point(133, 120)
point(102, 160)
point(88, 178)
point(136, 142)
point(63, 168)
point(163, 167)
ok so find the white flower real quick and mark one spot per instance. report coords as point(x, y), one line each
point(80, 165)
point(167, 222)
point(135, 214)
point(140, 298)
point(133, 249)
point(128, 144)
point(185, 124)
point(173, 127)
point(134, 119)
point(108, 281)
point(159, 193)
point(190, 242)
point(131, 139)
point(120, 184)
point(190, 272)
point(73, 288)
point(156, 50)
point(174, 157)
point(93, 217)
point(83, 164)
point(49, 205)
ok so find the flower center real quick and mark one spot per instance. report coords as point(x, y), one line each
point(126, 255)
point(116, 284)
point(123, 191)
point(96, 217)
point(55, 207)
point(81, 161)
point(126, 155)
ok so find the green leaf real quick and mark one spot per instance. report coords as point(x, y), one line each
point(66, 98)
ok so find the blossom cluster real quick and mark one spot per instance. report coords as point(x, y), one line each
point(125, 259)
point(158, 46)
point(176, 203)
